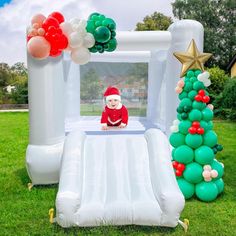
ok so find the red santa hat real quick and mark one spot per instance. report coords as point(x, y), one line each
point(112, 93)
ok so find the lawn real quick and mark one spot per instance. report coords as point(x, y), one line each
point(24, 212)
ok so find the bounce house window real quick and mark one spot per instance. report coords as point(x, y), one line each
point(130, 78)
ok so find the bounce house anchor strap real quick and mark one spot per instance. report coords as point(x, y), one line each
point(51, 214)
point(30, 186)
point(184, 224)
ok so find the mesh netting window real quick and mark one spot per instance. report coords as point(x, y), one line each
point(130, 78)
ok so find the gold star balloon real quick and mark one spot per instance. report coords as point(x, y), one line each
point(192, 59)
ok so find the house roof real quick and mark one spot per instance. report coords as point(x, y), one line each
point(231, 62)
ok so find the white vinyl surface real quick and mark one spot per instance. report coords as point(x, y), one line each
point(106, 179)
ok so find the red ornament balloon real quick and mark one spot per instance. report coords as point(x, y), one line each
point(63, 42)
point(206, 99)
point(201, 92)
point(57, 15)
point(50, 21)
point(200, 131)
point(192, 130)
point(175, 164)
point(55, 52)
point(178, 173)
point(181, 167)
point(196, 124)
point(198, 98)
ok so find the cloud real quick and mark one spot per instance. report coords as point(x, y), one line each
point(16, 15)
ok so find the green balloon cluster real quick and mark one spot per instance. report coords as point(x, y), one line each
point(195, 144)
point(103, 30)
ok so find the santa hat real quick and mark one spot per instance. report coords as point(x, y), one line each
point(112, 93)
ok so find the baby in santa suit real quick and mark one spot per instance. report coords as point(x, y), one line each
point(114, 113)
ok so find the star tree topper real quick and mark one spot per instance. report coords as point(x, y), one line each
point(192, 59)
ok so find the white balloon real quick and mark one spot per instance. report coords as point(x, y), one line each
point(176, 122)
point(80, 56)
point(75, 21)
point(89, 40)
point(203, 76)
point(207, 83)
point(66, 28)
point(174, 128)
point(75, 40)
point(83, 24)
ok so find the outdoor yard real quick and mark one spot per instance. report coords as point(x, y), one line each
point(24, 212)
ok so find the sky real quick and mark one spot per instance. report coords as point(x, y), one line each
point(15, 16)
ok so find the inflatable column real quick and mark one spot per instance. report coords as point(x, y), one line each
point(182, 33)
point(46, 112)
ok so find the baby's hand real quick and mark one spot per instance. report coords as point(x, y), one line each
point(121, 126)
point(104, 127)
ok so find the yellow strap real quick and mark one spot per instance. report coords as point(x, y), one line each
point(184, 224)
point(30, 186)
point(51, 214)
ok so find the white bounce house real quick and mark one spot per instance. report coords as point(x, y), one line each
point(117, 177)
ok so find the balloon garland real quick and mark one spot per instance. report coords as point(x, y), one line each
point(194, 142)
point(49, 36)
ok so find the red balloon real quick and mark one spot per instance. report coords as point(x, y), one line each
point(175, 164)
point(201, 92)
point(178, 173)
point(55, 52)
point(57, 15)
point(50, 21)
point(198, 98)
point(29, 37)
point(206, 99)
point(200, 131)
point(181, 167)
point(196, 124)
point(63, 42)
point(192, 130)
point(52, 29)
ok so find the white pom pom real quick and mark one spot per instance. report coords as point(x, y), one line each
point(89, 40)
point(174, 129)
point(75, 40)
point(176, 122)
point(203, 76)
point(81, 56)
point(207, 83)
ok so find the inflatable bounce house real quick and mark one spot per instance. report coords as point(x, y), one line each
point(118, 176)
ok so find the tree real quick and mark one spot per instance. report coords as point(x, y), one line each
point(5, 75)
point(157, 21)
point(218, 18)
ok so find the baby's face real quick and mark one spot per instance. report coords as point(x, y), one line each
point(113, 103)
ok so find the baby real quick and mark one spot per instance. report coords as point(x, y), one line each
point(114, 113)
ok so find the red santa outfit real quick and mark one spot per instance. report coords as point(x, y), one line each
point(116, 116)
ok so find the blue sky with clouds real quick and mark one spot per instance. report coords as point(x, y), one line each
point(15, 15)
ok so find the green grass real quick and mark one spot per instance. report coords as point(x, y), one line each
point(24, 212)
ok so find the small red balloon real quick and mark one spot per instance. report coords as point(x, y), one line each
point(206, 99)
point(178, 173)
point(63, 42)
point(55, 52)
point(200, 131)
point(50, 21)
point(198, 98)
point(201, 92)
point(196, 124)
point(181, 167)
point(57, 15)
point(175, 164)
point(192, 130)
point(52, 29)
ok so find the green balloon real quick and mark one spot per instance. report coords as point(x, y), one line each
point(198, 85)
point(185, 102)
point(186, 188)
point(184, 154)
point(190, 73)
point(109, 23)
point(193, 173)
point(93, 14)
point(192, 94)
point(173, 153)
point(95, 17)
point(90, 26)
point(207, 114)
point(184, 126)
point(220, 185)
point(197, 72)
point(198, 105)
point(188, 86)
point(210, 125)
point(186, 80)
point(204, 155)
point(183, 95)
point(195, 115)
point(193, 140)
point(210, 138)
point(206, 191)
point(98, 23)
point(177, 139)
point(184, 116)
point(112, 45)
point(204, 125)
point(193, 79)
point(218, 167)
point(179, 116)
point(102, 34)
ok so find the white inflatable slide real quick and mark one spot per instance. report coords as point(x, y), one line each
point(109, 177)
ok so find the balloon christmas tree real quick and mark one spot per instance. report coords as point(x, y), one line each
point(49, 36)
point(193, 139)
